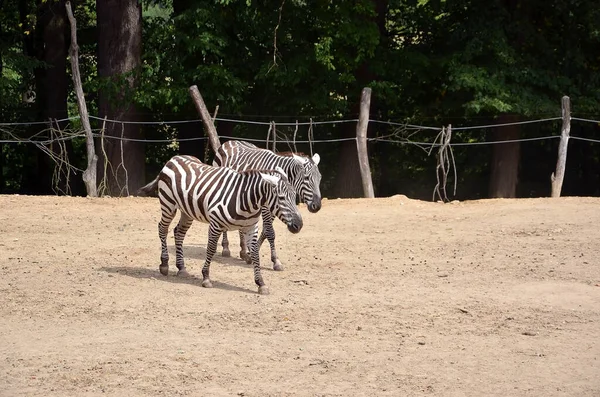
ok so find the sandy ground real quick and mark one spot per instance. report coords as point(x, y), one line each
point(388, 297)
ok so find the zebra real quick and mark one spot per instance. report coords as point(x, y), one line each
point(303, 173)
point(225, 199)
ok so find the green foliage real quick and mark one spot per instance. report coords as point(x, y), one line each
point(429, 62)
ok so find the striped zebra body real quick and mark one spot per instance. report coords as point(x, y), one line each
point(223, 198)
point(303, 173)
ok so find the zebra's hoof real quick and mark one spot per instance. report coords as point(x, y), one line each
point(183, 273)
point(264, 290)
point(164, 270)
point(206, 283)
point(246, 257)
point(277, 266)
point(226, 253)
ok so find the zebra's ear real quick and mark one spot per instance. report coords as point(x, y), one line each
point(272, 179)
point(282, 172)
point(316, 158)
point(299, 159)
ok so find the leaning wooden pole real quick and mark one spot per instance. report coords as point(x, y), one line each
point(557, 179)
point(207, 120)
point(89, 175)
point(361, 143)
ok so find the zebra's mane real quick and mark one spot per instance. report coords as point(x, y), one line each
point(257, 171)
point(290, 154)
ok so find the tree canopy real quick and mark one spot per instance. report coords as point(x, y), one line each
point(429, 62)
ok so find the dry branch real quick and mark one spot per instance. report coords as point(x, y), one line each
point(89, 175)
point(275, 38)
point(557, 180)
point(274, 149)
point(442, 169)
point(286, 139)
point(295, 132)
point(103, 185)
point(361, 143)
point(311, 136)
point(268, 136)
point(123, 189)
point(59, 157)
point(61, 160)
point(209, 125)
point(207, 146)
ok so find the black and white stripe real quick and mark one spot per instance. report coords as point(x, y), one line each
point(225, 199)
point(303, 173)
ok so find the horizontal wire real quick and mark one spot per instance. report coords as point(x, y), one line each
point(505, 124)
point(226, 121)
point(288, 123)
point(241, 121)
point(586, 120)
point(40, 122)
point(463, 143)
point(412, 126)
point(96, 135)
point(118, 138)
point(586, 139)
point(288, 141)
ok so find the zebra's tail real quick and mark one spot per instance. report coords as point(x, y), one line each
point(150, 190)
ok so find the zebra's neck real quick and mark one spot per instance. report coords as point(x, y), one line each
point(256, 191)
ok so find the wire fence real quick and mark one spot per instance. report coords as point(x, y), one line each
point(97, 132)
point(51, 139)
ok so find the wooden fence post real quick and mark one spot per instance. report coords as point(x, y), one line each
point(89, 175)
point(361, 142)
point(557, 180)
point(207, 120)
point(274, 150)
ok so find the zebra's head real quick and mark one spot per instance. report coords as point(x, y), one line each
point(309, 181)
point(284, 204)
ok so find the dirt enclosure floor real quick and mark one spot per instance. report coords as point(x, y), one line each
point(387, 297)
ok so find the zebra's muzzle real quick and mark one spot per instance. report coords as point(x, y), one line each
point(314, 206)
point(295, 226)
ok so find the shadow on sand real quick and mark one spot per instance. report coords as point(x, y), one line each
point(146, 273)
point(199, 252)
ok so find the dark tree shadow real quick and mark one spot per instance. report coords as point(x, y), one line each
point(146, 273)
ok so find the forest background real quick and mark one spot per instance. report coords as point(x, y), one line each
point(428, 62)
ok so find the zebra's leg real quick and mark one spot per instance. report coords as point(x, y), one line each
point(167, 214)
point(180, 230)
point(211, 249)
point(251, 241)
point(225, 243)
point(269, 233)
point(244, 251)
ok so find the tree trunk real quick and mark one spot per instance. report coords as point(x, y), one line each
point(348, 180)
point(505, 160)
point(1, 168)
point(1, 145)
point(119, 57)
point(52, 85)
point(29, 183)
